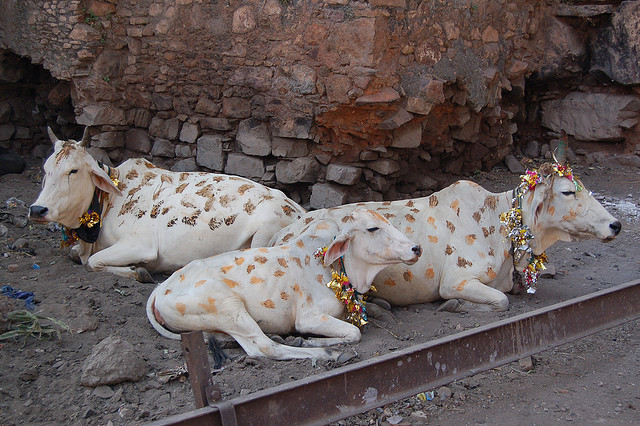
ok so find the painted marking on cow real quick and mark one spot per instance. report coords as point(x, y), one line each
point(148, 177)
point(260, 259)
point(210, 306)
point(322, 225)
point(141, 213)
point(432, 239)
point(432, 221)
point(347, 218)
point(181, 307)
point(448, 250)
point(288, 210)
point(551, 210)
point(284, 295)
point(308, 220)
point(172, 222)
point(168, 291)
point(389, 215)
point(389, 282)
point(193, 219)
point(182, 277)
point(165, 178)
point(408, 230)
point(263, 250)
point(297, 261)
point(463, 263)
point(491, 252)
point(296, 288)
point(283, 262)
point(460, 285)
point(183, 176)
point(320, 278)
point(127, 207)
point(407, 275)
point(451, 226)
point(287, 237)
point(491, 273)
point(214, 223)
point(268, 304)
point(230, 283)
point(244, 188)
point(491, 201)
point(133, 174)
point(409, 203)
point(239, 260)
point(249, 207)
point(226, 268)
point(230, 219)
point(165, 210)
point(187, 204)
point(570, 217)
point(409, 218)
point(278, 273)
point(477, 216)
point(470, 239)
point(429, 273)
point(300, 243)
point(225, 200)
point(250, 268)
point(307, 260)
point(181, 188)
point(156, 209)
point(256, 280)
point(433, 201)
point(455, 206)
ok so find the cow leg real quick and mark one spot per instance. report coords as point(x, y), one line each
point(337, 331)
point(250, 336)
point(481, 296)
point(118, 258)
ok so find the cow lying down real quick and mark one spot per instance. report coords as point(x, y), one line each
point(250, 292)
point(468, 254)
point(138, 218)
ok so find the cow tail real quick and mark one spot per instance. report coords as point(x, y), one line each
point(154, 322)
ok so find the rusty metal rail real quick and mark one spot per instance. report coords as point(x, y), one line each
point(356, 388)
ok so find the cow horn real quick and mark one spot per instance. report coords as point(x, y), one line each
point(52, 135)
point(86, 138)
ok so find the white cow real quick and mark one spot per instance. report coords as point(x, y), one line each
point(467, 254)
point(280, 289)
point(138, 218)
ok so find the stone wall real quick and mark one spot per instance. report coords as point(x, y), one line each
point(331, 100)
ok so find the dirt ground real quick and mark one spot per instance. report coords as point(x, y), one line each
point(594, 380)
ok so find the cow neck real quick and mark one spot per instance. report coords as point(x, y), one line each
point(91, 220)
point(353, 300)
point(521, 236)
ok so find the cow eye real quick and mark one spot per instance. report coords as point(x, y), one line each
point(567, 193)
point(374, 229)
point(73, 171)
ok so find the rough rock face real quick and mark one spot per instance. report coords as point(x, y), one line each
point(280, 91)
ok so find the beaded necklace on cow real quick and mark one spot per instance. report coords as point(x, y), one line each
point(90, 221)
point(520, 234)
point(344, 291)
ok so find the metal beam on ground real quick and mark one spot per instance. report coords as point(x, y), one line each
point(359, 387)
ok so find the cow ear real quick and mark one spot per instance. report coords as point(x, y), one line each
point(102, 180)
point(337, 248)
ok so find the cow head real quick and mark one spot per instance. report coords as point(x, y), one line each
point(69, 180)
point(369, 243)
point(557, 207)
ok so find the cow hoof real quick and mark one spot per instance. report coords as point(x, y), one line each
point(451, 305)
point(375, 311)
point(294, 341)
point(346, 356)
point(381, 302)
point(277, 338)
point(74, 256)
point(143, 276)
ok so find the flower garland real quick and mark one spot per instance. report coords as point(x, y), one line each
point(344, 291)
point(520, 234)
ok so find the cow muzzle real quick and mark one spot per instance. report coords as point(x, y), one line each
point(38, 213)
point(615, 227)
point(417, 252)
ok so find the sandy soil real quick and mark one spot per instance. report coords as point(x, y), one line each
point(595, 380)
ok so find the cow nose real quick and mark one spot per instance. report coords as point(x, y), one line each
point(37, 211)
point(417, 250)
point(616, 227)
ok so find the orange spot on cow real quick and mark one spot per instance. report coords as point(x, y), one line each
point(322, 225)
point(263, 250)
point(268, 304)
point(320, 278)
point(210, 306)
point(300, 243)
point(460, 285)
point(432, 221)
point(296, 288)
point(182, 277)
point(181, 307)
point(433, 201)
point(409, 218)
point(278, 273)
point(505, 253)
point(408, 276)
point(477, 216)
point(307, 260)
point(226, 268)
point(451, 226)
point(491, 273)
point(389, 282)
point(168, 291)
point(470, 239)
point(260, 259)
point(256, 280)
point(429, 273)
point(432, 239)
point(199, 283)
point(239, 260)
point(455, 206)
point(551, 210)
point(282, 261)
point(230, 283)
point(284, 296)
point(408, 230)
point(570, 217)
point(463, 263)
point(250, 268)
point(448, 250)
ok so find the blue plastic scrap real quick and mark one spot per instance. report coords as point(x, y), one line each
point(27, 296)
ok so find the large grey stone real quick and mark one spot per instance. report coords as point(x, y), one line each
point(325, 195)
point(210, 153)
point(291, 127)
point(113, 360)
point(165, 129)
point(591, 116)
point(137, 140)
point(254, 138)
point(289, 147)
point(163, 148)
point(243, 165)
point(108, 140)
point(616, 49)
point(384, 166)
point(304, 169)
point(343, 174)
point(407, 136)
point(565, 51)
point(189, 132)
point(94, 115)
